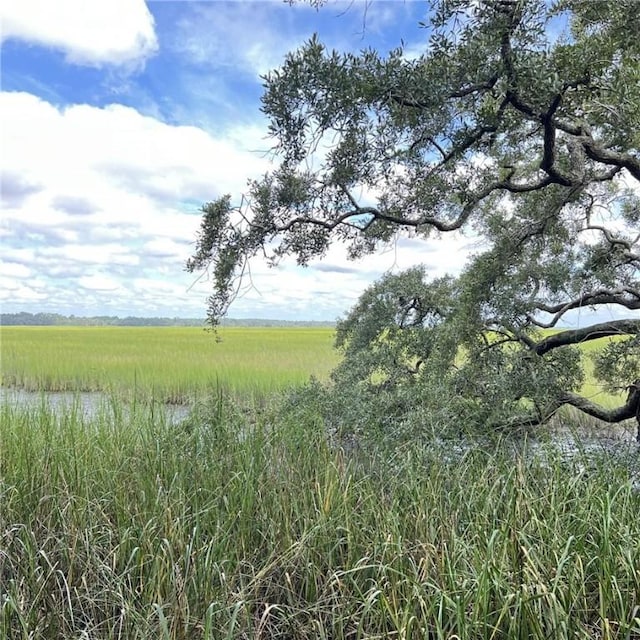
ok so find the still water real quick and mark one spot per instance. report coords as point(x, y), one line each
point(88, 404)
point(572, 445)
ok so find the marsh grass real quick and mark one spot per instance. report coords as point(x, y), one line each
point(172, 364)
point(250, 525)
point(181, 364)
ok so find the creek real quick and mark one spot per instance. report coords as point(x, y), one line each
point(580, 446)
point(88, 403)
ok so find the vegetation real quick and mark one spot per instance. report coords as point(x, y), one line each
point(180, 365)
point(25, 319)
point(268, 519)
point(166, 364)
point(134, 527)
point(519, 124)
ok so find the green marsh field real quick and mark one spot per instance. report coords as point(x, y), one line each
point(248, 521)
point(176, 364)
point(173, 364)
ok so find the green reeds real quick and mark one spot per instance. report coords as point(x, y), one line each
point(179, 364)
point(171, 364)
point(250, 525)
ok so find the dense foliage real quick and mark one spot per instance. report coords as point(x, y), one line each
point(249, 526)
point(518, 124)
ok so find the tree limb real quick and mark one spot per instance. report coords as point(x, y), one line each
point(630, 409)
point(599, 153)
point(592, 298)
point(586, 334)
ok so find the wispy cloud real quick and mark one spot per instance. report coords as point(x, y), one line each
point(245, 37)
point(104, 170)
point(117, 32)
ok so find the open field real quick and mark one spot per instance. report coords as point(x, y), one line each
point(134, 528)
point(181, 365)
point(170, 363)
point(176, 364)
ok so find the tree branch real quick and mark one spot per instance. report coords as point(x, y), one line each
point(611, 239)
point(630, 409)
point(330, 225)
point(598, 297)
point(548, 163)
point(460, 93)
point(607, 156)
point(586, 334)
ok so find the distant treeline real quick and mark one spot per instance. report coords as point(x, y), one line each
point(55, 319)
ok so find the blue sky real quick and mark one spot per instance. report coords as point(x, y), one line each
point(120, 119)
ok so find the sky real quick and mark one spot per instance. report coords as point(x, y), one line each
point(120, 119)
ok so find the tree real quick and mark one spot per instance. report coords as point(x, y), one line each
point(519, 124)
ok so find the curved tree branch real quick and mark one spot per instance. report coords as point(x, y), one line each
point(624, 297)
point(586, 334)
point(630, 409)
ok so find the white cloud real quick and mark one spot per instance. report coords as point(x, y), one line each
point(87, 254)
point(114, 217)
point(104, 195)
point(165, 248)
point(107, 32)
point(237, 35)
point(98, 283)
point(89, 153)
point(14, 270)
point(10, 291)
point(254, 37)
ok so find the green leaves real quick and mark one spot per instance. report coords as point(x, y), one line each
point(519, 123)
point(618, 363)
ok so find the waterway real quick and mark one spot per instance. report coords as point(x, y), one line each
point(88, 404)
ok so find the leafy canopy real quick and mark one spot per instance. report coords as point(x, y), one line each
point(520, 124)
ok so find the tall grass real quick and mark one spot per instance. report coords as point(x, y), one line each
point(176, 364)
point(252, 526)
point(170, 363)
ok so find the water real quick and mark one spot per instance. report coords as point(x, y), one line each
point(88, 403)
point(578, 447)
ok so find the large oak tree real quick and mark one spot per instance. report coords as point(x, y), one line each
point(519, 124)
